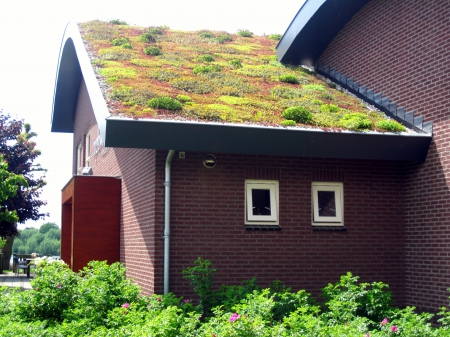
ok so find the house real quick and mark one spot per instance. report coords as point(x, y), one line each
point(225, 178)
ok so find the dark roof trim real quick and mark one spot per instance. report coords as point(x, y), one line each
point(313, 28)
point(73, 66)
point(261, 140)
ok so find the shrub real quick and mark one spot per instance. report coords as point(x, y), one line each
point(289, 78)
point(235, 63)
point(390, 125)
point(118, 22)
point(206, 69)
point(165, 103)
point(201, 277)
point(152, 50)
point(275, 36)
point(127, 46)
point(120, 41)
point(155, 31)
point(206, 35)
point(205, 58)
point(244, 33)
point(298, 114)
point(223, 38)
point(183, 98)
point(355, 121)
point(147, 37)
point(329, 108)
point(288, 122)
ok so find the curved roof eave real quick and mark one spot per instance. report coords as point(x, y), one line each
point(73, 65)
point(313, 28)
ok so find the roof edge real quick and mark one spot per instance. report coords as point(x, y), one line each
point(313, 28)
point(73, 66)
point(265, 140)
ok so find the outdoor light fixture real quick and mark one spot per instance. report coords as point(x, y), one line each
point(209, 161)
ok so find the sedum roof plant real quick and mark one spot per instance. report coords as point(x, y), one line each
point(154, 72)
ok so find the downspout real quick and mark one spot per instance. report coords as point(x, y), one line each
point(167, 184)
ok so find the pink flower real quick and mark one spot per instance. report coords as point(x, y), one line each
point(394, 328)
point(159, 299)
point(384, 321)
point(36, 288)
point(367, 334)
point(186, 301)
point(234, 317)
point(125, 305)
point(59, 286)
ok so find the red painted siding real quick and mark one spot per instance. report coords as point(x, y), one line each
point(402, 48)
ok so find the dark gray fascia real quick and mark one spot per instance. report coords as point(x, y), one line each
point(261, 140)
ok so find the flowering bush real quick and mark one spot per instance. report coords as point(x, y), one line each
point(101, 301)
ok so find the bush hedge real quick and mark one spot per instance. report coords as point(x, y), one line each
point(101, 301)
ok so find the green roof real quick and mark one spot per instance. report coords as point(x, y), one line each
point(158, 73)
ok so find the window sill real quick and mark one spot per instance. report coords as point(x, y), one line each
point(263, 227)
point(328, 228)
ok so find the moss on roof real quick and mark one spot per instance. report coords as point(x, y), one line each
point(216, 76)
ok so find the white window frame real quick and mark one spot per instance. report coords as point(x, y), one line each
point(87, 149)
point(79, 157)
point(338, 189)
point(273, 187)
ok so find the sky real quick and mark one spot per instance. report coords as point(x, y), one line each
point(30, 37)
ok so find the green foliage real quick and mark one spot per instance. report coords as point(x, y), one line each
point(206, 69)
point(44, 241)
point(205, 58)
point(152, 50)
point(288, 122)
point(244, 33)
point(183, 98)
point(165, 75)
point(298, 114)
point(9, 184)
point(101, 301)
point(155, 31)
point(286, 92)
point(330, 108)
point(2, 242)
point(235, 63)
point(192, 84)
point(147, 37)
point(355, 121)
point(275, 36)
point(126, 46)
point(390, 125)
point(118, 22)
point(206, 35)
point(130, 96)
point(167, 103)
point(201, 278)
point(223, 38)
point(115, 73)
point(315, 87)
point(119, 41)
point(289, 78)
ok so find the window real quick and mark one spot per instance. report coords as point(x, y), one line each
point(87, 151)
point(79, 157)
point(328, 204)
point(261, 202)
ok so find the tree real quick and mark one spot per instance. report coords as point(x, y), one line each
point(9, 185)
point(20, 152)
point(47, 226)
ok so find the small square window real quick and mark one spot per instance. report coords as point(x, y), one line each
point(328, 204)
point(261, 202)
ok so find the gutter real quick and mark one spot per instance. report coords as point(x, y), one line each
point(167, 184)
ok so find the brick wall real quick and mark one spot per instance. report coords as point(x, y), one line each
point(402, 48)
point(208, 221)
point(140, 249)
